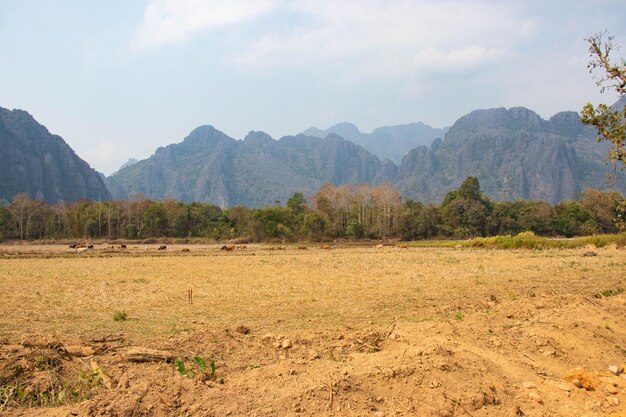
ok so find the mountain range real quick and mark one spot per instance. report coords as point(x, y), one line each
point(36, 162)
point(257, 171)
point(514, 153)
point(387, 142)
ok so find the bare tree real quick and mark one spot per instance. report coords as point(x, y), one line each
point(610, 123)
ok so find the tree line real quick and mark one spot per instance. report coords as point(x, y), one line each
point(347, 211)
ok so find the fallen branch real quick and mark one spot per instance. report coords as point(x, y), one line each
point(141, 354)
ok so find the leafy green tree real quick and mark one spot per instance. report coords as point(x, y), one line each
point(154, 221)
point(297, 204)
point(569, 218)
point(610, 123)
point(466, 212)
point(313, 226)
point(419, 221)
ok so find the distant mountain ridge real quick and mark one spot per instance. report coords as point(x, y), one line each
point(387, 142)
point(514, 153)
point(257, 171)
point(41, 164)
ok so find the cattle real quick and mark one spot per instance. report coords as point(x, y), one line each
point(73, 246)
point(403, 246)
point(90, 247)
point(325, 247)
point(185, 250)
point(81, 250)
point(228, 248)
point(122, 246)
point(241, 247)
point(302, 248)
point(162, 247)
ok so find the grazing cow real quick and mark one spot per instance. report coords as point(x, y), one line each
point(325, 247)
point(122, 246)
point(241, 247)
point(185, 250)
point(228, 248)
point(302, 248)
point(81, 250)
point(90, 247)
point(162, 247)
point(73, 246)
point(403, 246)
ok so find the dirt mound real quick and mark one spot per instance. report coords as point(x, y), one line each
point(514, 360)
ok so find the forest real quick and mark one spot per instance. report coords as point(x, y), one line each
point(334, 212)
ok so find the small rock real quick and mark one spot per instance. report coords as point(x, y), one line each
point(496, 342)
point(276, 345)
point(434, 384)
point(611, 389)
point(614, 401)
point(313, 354)
point(286, 344)
point(268, 336)
point(549, 353)
point(529, 385)
point(616, 370)
point(577, 383)
point(535, 397)
point(565, 387)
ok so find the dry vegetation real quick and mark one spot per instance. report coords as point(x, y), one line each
point(350, 331)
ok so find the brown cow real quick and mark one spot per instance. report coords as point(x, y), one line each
point(162, 247)
point(228, 248)
point(326, 247)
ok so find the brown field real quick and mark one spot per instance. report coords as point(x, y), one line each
point(351, 331)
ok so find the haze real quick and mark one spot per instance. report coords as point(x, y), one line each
point(117, 79)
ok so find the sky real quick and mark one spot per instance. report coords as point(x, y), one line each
point(119, 78)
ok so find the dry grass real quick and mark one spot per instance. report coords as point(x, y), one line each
point(351, 331)
point(284, 290)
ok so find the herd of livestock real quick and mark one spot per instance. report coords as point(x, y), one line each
point(80, 247)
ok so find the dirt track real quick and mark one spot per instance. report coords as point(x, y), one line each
point(346, 332)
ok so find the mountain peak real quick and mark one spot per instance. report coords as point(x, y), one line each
point(512, 118)
point(258, 137)
point(41, 164)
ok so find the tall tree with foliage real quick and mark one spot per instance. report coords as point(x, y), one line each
point(610, 123)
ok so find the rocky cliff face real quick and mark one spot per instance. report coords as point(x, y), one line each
point(515, 154)
point(36, 162)
point(387, 142)
point(255, 172)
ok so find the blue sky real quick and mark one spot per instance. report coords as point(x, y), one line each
point(118, 78)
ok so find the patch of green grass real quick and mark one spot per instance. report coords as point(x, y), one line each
point(120, 316)
point(459, 316)
point(528, 240)
point(202, 369)
point(609, 292)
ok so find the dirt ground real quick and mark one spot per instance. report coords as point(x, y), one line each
point(271, 331)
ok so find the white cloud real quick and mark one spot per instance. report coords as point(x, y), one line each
point(171, 21)
point(455, 60)
point(383, 37)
